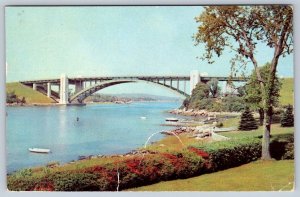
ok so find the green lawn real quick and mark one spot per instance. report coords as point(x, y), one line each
point(287, 92)
point(255, 176)
point(30, 95)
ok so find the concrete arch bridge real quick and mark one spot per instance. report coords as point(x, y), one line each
point(86, 86)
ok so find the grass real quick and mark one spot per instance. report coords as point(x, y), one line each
point(231, 122)
point(287, 92)
point(276, 129)
point(30, 95)
point(171, 143)
point(255, 176)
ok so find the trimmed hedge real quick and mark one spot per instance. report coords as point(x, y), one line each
point(232, 153)
point(142, 170)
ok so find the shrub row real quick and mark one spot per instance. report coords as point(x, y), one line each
point(232, 153)
point(146, 169)
point(132, 172)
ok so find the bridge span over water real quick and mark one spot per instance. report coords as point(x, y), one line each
point(86, 86)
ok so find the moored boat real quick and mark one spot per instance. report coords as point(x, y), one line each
point(39, 150)
point(172, 119)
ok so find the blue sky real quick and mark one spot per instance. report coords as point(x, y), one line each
point(44, 42)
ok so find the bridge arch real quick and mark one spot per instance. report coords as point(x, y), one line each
point(81, 95)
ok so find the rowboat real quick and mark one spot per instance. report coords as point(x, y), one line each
point(171, 119)
point(39, 150)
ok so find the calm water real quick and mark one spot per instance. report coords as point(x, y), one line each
point(101, 129)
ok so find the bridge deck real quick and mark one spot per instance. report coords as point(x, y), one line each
point(73, 80)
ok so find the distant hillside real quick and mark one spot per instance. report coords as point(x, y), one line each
point(287, 91)
point(30, 95)
point(149, 96)
point(128, 97)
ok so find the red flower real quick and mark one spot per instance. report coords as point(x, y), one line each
point(199, 152)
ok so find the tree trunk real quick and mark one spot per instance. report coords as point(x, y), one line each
point(269, 106)
point(261, 116)
point(266, 136)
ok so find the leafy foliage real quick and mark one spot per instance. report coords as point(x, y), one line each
point(287, 119)
point(254, 96)
point(11, 97)
point(228, 154)
point(233, 103)
point(200, 99)
point(241, 29)
point(247, 121)
point(213, 87)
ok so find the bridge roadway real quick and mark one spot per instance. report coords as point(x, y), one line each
point(73, 80)
point(85, 86)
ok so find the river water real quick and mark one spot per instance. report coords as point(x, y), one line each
point(101, 129)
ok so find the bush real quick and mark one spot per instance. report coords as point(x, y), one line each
point(11, 97)
point(232, 153)
point(219, 124)
point(287, 119)
point(289, 151)
point(233, 103)
point(282, 147)
point(22, 180)
point(75, 182)
point(247, 122)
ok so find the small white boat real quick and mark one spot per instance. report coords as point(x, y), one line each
point(39, 150)
point(143, 118)
point(172, 119)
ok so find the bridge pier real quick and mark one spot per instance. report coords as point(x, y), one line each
point(64, 90)
point(78, 86)
point(194, 80)
point(34, 86)
point(48, 89)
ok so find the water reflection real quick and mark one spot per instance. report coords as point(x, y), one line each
point(101, 129)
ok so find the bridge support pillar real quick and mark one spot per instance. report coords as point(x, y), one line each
point(64, 90)
point(49, 89)
point(78, 86)
point(194, 80)
point(34, 86)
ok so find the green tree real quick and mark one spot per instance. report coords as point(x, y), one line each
point(287, 119)
point(247, 122)
point(186, 103)
point(233, 103)
point(254, 97)
point(241, 91)
point(240, 29)
point(11, 97)
point(213, 87)
point(199, 93)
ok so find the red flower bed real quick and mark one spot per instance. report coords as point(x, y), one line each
point(44, 186)
point(199, 152)
point(133, 165)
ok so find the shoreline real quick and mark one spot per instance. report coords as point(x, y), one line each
point(202, 113)
point(87, 103)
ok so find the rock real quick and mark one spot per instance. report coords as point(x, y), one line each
point(81, 157)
